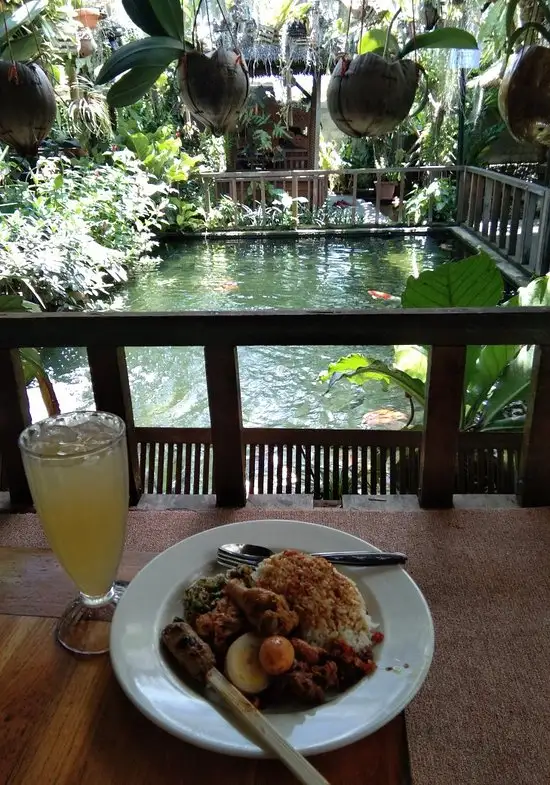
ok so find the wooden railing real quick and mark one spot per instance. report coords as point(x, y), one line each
point(313, 185)
point(438, 447)
point(511, 215)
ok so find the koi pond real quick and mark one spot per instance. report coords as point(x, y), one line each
point(280, 385)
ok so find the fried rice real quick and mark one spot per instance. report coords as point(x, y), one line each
point(329, 604)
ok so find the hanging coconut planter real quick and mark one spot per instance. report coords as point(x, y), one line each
point(214, 87)
point(524, 96)
point(369, 95)
point(27, 106)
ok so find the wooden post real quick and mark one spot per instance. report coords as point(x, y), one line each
point(534, 472)
point(540, 265)
point(442, 416)
point(14, 418)
point(504, 215)
point(224, 401)
point(495, 210)
point(111, 388)
point(314, 127)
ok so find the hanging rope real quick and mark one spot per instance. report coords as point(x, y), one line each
point(225, 19)
point(346, 47)
point(362, 20)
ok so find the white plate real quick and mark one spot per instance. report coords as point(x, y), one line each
point(153, 599)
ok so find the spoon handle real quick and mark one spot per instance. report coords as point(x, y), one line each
point(363, 559)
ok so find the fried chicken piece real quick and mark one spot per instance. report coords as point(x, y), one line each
point(191, 652)
point(220, 625)
point(266, 611)
point(313, 655)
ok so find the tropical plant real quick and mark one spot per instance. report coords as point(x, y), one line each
point(358, 98)
point(30, 358)
point(432, 203)
point(496, 377)
point(161, 154)
point(214, 88)
point(77, 227)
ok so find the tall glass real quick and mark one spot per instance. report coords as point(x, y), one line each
point(77, 468)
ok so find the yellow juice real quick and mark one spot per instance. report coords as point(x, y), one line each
point(82, 502)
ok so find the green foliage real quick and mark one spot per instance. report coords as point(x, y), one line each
point(440, 195)
point(30, 358)
point(374, 40)
point(154, 52)
point(141, 13)
point(442, 38)
point(161, 154)
point(475, 282)
point(77, 227)
point(495, 377)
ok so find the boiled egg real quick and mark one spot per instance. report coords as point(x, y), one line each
point(276, 655)
point(242, 664)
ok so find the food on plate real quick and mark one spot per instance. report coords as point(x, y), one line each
point(242, 664)
point(329, 605)
point(266, 611)
point(294, 629)
point(276, 655)
point(188, 649)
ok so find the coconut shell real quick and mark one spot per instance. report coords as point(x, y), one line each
point(369, 95)
point(27, 106)
point(214, 87)
point(524, 96)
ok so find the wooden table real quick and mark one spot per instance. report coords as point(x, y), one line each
point(64, 720)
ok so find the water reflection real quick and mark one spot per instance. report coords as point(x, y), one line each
point(279, 384)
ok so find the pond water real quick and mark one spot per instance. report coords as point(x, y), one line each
point(280, 385)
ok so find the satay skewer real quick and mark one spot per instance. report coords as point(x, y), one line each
point(198, 661)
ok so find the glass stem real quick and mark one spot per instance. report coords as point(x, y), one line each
point(97, 602)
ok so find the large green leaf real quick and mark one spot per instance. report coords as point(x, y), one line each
point(443, 38)
point(24, 15)
point(491, 362)
point(32, 364)
point(536, 292)
point(142, 15)
point(170, 15)
point(374, 40)
point(139, 143)
point(412, 360)
point(153, 52)
point(474, 282)
point(358, 369)
point(22, 48)
point(513, 385)
point(133, 85)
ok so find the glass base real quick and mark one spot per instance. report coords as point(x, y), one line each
point(85, 629)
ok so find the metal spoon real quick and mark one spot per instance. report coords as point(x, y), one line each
point(232, 554)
